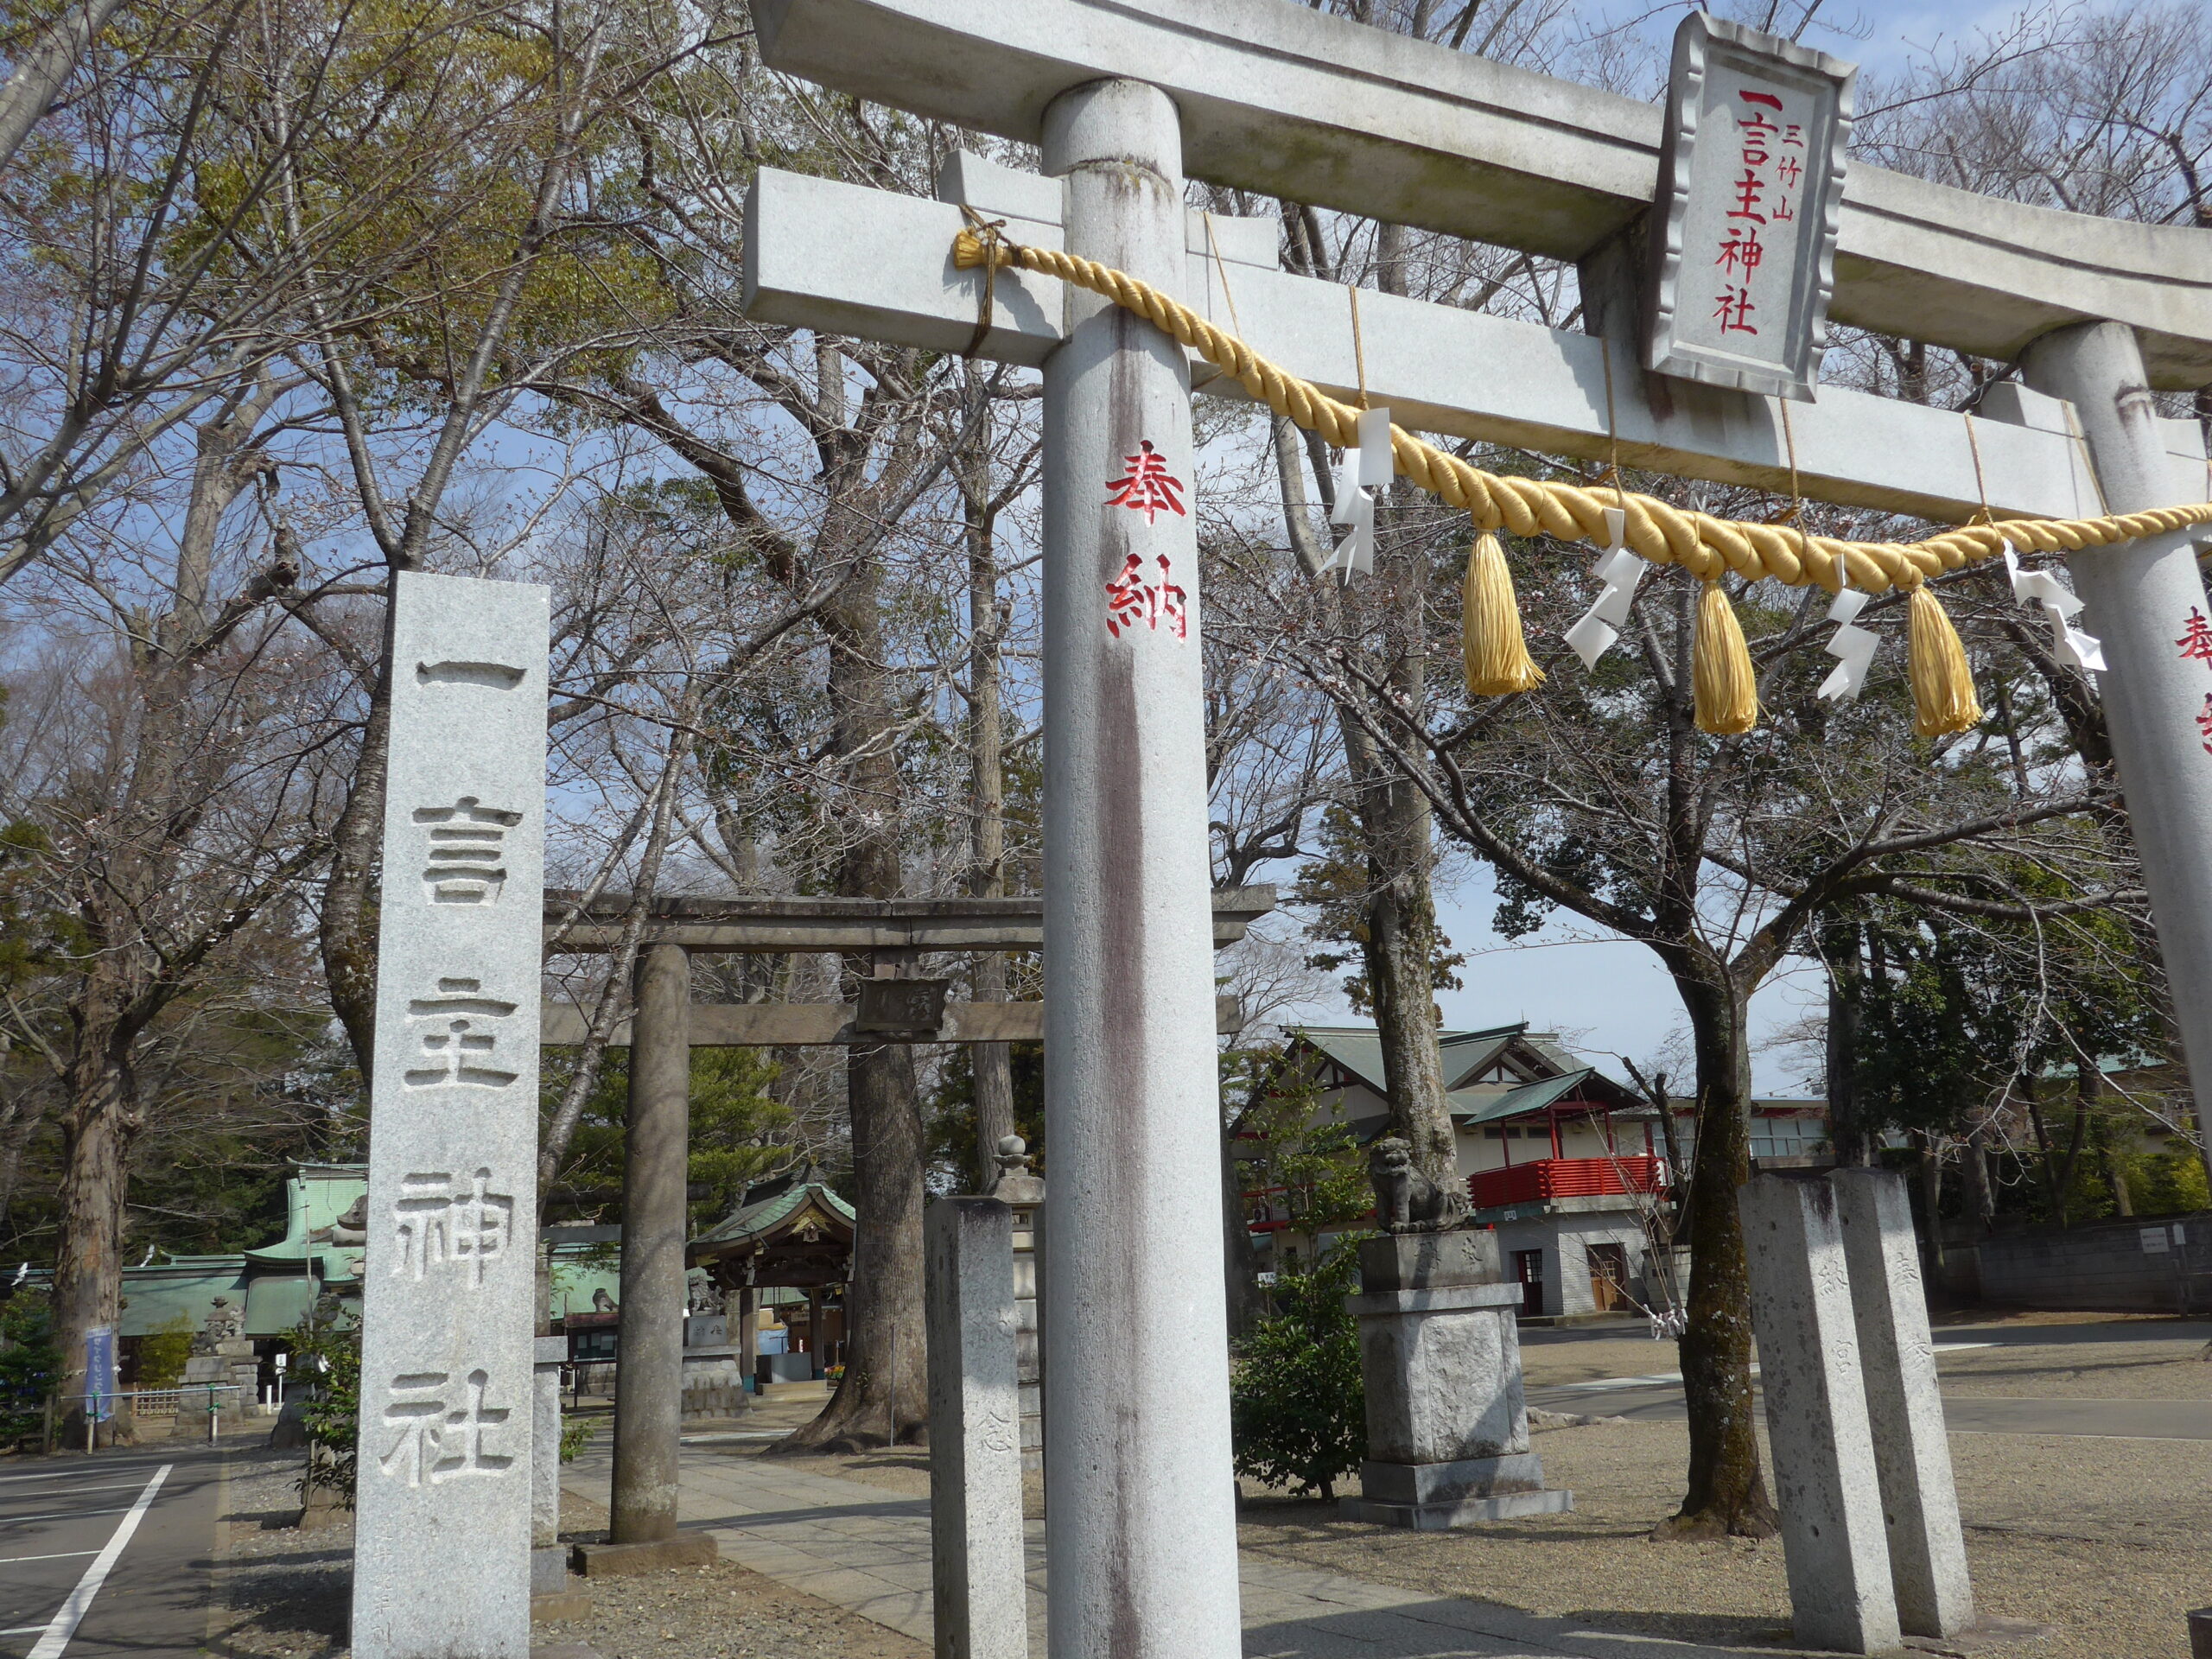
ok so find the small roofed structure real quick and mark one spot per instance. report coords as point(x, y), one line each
point(791, 1233)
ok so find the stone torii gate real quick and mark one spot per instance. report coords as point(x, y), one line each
point(1275, 99)
point(666, 1025)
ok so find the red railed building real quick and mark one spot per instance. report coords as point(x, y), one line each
point(1570, 1165)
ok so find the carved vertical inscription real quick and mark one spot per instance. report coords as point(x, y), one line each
point(443, 1529)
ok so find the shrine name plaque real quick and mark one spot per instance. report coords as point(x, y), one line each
point(1750, 188)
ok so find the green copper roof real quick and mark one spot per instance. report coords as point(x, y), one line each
point(1474, 1106)
point(753, 1220)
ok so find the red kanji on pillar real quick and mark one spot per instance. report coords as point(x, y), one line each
point(1131, 599)
point(2197, 637)
point(1146, 486)
point(2204, 722)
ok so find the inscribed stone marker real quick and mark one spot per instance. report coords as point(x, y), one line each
point(1912, 1456)
point(443, 1529)
point(1750, 190)
point(1825, 1486)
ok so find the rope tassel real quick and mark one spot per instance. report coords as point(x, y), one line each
point(1727, 687)
point(1943, 699)
point(1498, 663)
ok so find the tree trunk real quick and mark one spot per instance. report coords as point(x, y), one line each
point(348, 911)
point(1728, 1487)
point(96, 1128)
point(1400, 951)
point(1847, 1129)
point(992, 1063)
point(883, 1395)
point(1973, 1171)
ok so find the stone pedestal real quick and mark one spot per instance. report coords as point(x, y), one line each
point(713, 1382)
point(977, 1570)
point(1825, 1485)
point(553, 1595)
point(1447, 1430)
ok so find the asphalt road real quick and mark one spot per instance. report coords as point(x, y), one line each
point(107, 1556)
point(1658, 1397)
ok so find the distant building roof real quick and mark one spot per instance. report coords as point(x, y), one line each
point(1541, 1071)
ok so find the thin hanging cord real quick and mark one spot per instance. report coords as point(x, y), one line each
point(1220, 269)
point(1980, 484)
point(990, 231)
point(2081, 438)
point(1613, 425)
point(1359, 347)
point(1798, 499)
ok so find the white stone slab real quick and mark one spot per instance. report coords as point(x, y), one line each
point(841, 258)
point(1912, 1455)
point(1825, 1486)
point(442, 1531)
point(980, 1598)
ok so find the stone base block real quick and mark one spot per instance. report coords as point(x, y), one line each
point(1989, 1633)
point(2200, 1634)
point(549, 1570)
point(627, 1561)
point(1451, 1483)
point(1437, 1517)
point(551, 1605)
point(562, 1650)
point(1427, 1261)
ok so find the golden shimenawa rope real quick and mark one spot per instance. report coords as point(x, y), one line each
point(1660, 532)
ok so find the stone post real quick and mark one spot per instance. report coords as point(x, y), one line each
point(1825, 1485)
point(1912, 1454)
point(442, 1532)
point(1447, 1428)
point(749, 1336)
point(1142, 1524)
point(545, 1444)
point(649, 1379)
point(2139, 600)
point(977, 1574)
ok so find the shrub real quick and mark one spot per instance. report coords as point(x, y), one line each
point(28, 1364)
point(163, 1351)
point(326, 1356)
point(1298, 1408)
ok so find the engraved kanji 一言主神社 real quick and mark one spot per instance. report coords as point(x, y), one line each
point(459, 1051)
point(462, 866)
point(441, 1219)
point(2196, 639)
point(443, 1429)
point(1131, 599)
point(1146, 486)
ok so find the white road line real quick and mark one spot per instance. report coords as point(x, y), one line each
point(111, 1486)
point(62, 1514)
point(58, 1555)
point(64, 1623)
point(25, 1630)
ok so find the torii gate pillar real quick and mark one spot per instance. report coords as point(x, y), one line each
point(1142, 1531)
point(2139, 597)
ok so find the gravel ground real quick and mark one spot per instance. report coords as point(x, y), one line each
point(2108, 1541)
point(283, 1594)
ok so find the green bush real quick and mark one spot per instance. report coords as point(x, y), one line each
point(327, 1357)
point(28, 1364)
point(162, 1352)
point(575, 1433)
point(1298, 1408)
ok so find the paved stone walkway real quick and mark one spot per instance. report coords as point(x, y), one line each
point(867, 1550)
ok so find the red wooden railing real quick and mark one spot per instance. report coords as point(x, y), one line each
point(1564, 1178)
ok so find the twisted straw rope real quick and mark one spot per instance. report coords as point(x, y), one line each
point(1660, 532)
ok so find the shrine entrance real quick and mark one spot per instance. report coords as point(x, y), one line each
point(665, 1024)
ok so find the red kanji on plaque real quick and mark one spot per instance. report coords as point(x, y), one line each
point(1131, 599)
point(2204, 722)
point(1146, 486)
point(2197, 637)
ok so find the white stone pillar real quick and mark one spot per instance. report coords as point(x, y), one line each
point(1825, 1486)
point(442, 1535)
point(2138, 598)
point(1141, 1528)
point(977, 1570)
point(1912, 1453)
